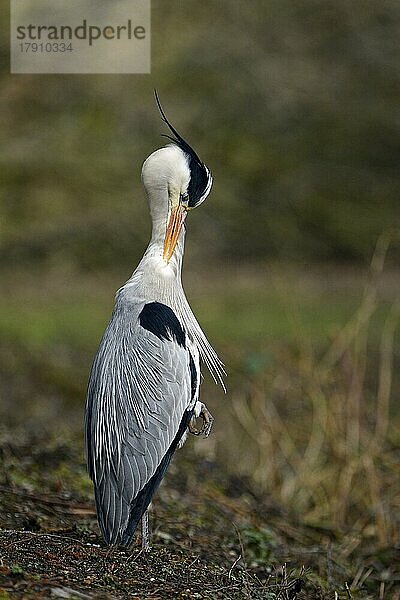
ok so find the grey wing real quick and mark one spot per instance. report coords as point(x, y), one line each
point(138, 406)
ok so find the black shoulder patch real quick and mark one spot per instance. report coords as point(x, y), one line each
point(161, 320)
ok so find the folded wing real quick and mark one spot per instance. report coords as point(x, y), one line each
point(138, 406)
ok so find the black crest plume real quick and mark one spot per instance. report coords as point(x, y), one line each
point(200, 176)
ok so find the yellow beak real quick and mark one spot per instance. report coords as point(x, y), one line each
point(176, 219)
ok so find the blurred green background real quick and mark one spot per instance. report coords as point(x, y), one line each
point(294, 107)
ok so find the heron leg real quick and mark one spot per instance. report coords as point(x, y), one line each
point(207, 422)
point(145, 532)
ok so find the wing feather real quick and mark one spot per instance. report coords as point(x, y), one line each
point(139, 390)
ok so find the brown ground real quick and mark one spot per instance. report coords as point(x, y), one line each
point(212, 538)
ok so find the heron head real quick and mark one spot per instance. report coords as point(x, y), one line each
point(178, 170)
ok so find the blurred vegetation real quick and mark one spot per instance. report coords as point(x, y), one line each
point(320, 428)
point(292, 104)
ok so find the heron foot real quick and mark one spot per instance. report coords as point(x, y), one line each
point(208, 420)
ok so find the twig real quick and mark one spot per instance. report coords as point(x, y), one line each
point(233, 566)
point(244, 560)
point(365, 577)
point(382, 590)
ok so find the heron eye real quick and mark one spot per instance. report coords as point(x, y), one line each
point(185, 199)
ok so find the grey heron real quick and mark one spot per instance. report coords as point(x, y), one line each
point(143, 391)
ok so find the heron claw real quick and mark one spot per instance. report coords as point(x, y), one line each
point(207, 422)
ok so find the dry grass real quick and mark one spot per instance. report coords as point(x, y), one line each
point(318, 438)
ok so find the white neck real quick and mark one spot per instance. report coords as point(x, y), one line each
point(155, 280)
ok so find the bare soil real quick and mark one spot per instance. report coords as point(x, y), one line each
point(212, 537)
